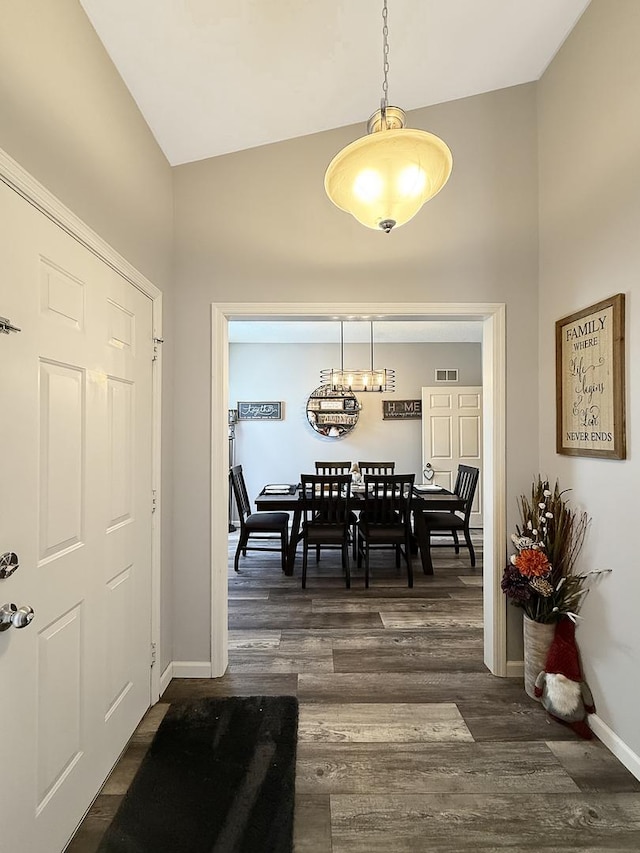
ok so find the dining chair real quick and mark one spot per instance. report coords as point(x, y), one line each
point(454, 522)
point(385, 520)
point(377, 468)
point(325, 468)
point(333, 467)
point(326, 517)
point(260, 526)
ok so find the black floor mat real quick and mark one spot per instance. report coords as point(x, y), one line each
point(218, 778)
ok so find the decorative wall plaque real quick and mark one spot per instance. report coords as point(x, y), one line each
point(260, 411)
point(401, 410)
point(590, 395)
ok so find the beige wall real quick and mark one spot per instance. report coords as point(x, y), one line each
point(67, 118)
point(257, 226)
point(589, 137)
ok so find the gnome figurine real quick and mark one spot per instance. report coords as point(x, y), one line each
point(560, 687)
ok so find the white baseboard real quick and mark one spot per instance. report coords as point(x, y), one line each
point(165, 678)
point(515, 669)
point(615, 745)
point(192, 669)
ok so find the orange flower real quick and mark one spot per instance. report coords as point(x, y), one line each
point(532, 563)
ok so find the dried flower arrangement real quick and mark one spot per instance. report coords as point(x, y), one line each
point(541, 576)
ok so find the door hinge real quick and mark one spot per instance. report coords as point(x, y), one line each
point(154, 653)
point(7, 326)
point(156, 344)
point(154, 500)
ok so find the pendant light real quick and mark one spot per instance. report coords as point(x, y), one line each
point(383, 179)
point(361, 379)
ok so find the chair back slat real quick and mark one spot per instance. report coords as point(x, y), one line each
point(465, 487)
point(377, 468)
point(387, 498)
point(326, 468)
point(240, 492)
point(326, 498)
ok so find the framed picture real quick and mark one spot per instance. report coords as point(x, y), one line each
point(334, 404)
point(260, 411)
point(401, 410)
point(590, 391)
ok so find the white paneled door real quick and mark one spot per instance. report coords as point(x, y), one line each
point(452, 436)
point(75, 506)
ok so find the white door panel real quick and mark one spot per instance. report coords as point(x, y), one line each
point(75, 506)
point(452, 435)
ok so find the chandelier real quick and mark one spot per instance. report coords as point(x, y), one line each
point(366, 379)
point(384, 178)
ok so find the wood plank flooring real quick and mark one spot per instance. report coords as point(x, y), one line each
point(407, 744)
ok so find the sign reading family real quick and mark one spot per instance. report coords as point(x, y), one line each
point(260, 411)
point(590, 411)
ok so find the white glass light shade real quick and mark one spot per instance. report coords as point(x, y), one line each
point(384, 178)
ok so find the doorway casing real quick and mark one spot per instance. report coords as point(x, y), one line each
point(492, 317)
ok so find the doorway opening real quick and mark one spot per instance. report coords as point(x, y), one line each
point(492, 319)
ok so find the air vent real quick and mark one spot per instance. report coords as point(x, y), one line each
point(446, 375)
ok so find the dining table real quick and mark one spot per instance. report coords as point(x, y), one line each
point(282, 497)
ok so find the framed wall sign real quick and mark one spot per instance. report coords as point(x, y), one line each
point(260, 411)
point(590, 392)
point(335, 404)
point(401, 410)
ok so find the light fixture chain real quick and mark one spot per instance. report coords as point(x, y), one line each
point(385, 56)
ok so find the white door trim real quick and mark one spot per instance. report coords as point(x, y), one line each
point(23, 183)
point(492, 316)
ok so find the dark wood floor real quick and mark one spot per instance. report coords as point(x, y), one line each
point(406, 743)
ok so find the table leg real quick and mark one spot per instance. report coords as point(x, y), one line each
point(424, 541)
point(293, 541)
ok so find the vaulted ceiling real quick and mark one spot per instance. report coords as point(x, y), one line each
point(211, 78)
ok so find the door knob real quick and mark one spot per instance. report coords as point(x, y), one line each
point(8, 564)
point(12, 615)
point(23, 616)
point(428, 472)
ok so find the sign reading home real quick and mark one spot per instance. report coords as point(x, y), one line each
point(260, 411)
point(590, 381)
point(401, 410)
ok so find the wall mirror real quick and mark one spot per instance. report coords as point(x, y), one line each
point(332, 413)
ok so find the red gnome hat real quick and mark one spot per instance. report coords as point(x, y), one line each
point(562, 658)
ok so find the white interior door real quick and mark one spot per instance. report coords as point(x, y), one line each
point(452, 436)
point(75, 505)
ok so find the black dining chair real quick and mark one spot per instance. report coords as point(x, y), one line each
point(377, 468)
point(259, 526)
point(458, 521)
point(326, 517)
point(385, 519)
point(326, 468)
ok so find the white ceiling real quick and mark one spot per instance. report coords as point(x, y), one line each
point(387, 331)
point(212, 77)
